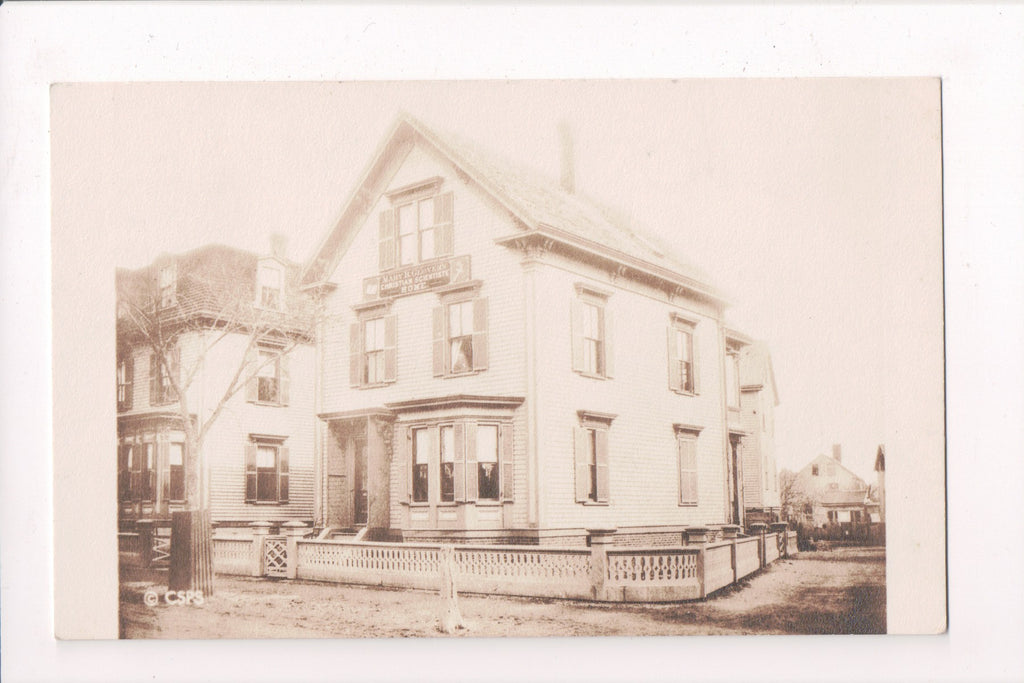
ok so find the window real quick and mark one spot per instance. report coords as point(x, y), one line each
point(487, 462)
point(460, 337)
point(144, 473)
point(175, 472)
point(269, 287)
point(373, 353)
point(160, 388)
point(168, 285)
point(266, 470)
point(590, 442)
point(269, 382)
point(682, 365)
point(417, 229)
point(814, 470)
point(420, 465)
point(447, 463)
point(459, 462)
point(687, 445)
point(125, 471)
point(125, 370)
point(591, 354)
point(732, 380)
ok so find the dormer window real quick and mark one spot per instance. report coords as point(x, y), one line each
point(168, 285)
point(269, 287)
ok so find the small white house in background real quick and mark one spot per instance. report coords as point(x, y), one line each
point(832, 493)
point(258, 454)
point(503, 360)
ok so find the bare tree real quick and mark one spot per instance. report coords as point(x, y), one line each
point(212, 305)
point(791, 496)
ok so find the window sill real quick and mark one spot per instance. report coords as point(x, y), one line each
point(454, 375)
point(375, 385)
point(688, 505)
point(591, 375)
point(269, 404)
point(593, 503)
point(266, 502)
point(684, 392)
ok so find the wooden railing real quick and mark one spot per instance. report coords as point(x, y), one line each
point(601, 572)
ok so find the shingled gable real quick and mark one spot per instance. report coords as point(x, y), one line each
point(539, 204)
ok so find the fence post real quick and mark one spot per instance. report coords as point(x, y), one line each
point(260, 531)
point(730, 532)
point(758, 529)
point(294, 530)
point(781, 528)
point(698, 536)
point(145, 527)
point(600, 539)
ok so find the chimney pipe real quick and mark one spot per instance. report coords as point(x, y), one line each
point(837, 453)
point(568, 159)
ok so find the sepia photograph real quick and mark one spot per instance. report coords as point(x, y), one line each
point(510, 358)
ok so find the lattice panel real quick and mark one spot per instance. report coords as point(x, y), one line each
point(651, 568)
point(161, 550)
point(551, 565)
point(275, 556)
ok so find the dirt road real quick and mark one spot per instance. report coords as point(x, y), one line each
point(838, 591)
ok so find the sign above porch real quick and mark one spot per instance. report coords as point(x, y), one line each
point(422, 277)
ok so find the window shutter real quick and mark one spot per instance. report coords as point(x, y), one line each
point(387, 239)
point(282, 474)
point(577, 336)
point(154, 380)
point(285, 377)
point(129, 379)
point(407, 453)
point(250, 471)
point(355, 354)
point(390, 349)
point(252, 384)
point(606, 331)
point(695, 360)
point(163, 456)
point(459, 456)
point(136, 476)
point(175, 371)
point(507, 462)
point(439, 341)
point(472, 471)
point(602, 465)
point(675, 376)
point(687, 471)
point(480, 334)
point(581, 448)
point(443, 219)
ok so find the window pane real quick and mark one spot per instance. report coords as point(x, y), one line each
point(266, 456)
point(487, 481)
point(266, 484)
point(683, 345)
point(407, 220)
point(426, 213)
point(270, 277)
point(268, 364)
point(447, 444)
point(487, 443)
point(421, 446)
point(427, 244)
point(177, 454)
point(407, 249)
point(462, 354)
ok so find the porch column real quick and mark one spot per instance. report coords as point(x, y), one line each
point(379, 445)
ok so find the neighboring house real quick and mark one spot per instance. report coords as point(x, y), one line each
point(880, 484)
point(758, 398)
point(833, 494)
point(495, 366)
point(258, 452)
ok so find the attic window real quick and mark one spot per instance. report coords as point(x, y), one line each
point(269, 287)
point(168, 285)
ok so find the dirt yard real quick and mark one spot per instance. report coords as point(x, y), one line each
point(837, 591)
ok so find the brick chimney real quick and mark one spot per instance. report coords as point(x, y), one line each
point(837, 453)
point(568, 158)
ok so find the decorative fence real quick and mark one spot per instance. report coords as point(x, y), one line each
point(602, 572)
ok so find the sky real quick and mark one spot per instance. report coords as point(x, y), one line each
point(814, 204)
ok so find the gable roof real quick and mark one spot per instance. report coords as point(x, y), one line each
point(826, 459)
point(539, 204)
point(756, 368)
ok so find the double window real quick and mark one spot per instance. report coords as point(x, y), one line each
point(269, 382)
point(591, 343)
point(373, 353)
point(463, 461)
point(416, 229)
point(460, 337)
point(590, 444)
point(682, 357)
point(266, 470)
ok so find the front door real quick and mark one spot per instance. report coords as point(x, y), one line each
point(736, 494)
point(359, 482)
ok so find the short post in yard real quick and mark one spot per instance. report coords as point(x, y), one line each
point(451, 618)
point(600, 540)
point(730, 532)
point(758, 529)
point(260, 531)
point(780, 528)
point(294, 530)
point(145, 528)
point(191, 562)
